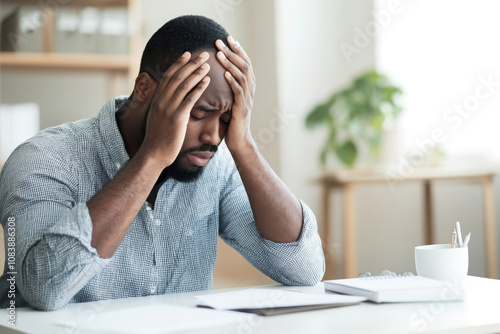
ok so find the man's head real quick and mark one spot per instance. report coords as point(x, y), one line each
point(185, 33)
point(212, 112)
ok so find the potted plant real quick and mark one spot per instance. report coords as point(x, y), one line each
point(359, 113)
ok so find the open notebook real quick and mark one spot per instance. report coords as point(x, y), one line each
point(382, 289)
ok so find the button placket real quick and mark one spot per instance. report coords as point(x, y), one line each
point(149, 210)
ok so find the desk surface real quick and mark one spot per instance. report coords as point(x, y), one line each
point(478, 313)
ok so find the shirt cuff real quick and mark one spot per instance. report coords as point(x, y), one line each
point(300, 262)
point(78, 225)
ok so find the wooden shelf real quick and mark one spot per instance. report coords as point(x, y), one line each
point(116, 66)
point(76, 3)
point(113, 63)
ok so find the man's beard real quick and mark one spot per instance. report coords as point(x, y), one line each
point(175, 171)
point(178, 173)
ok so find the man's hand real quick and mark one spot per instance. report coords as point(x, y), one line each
point(241, 78)
point(180, 88)
point(277, 213)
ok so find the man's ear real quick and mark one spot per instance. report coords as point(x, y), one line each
point(145, 87)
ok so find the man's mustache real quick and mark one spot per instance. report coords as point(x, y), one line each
point(202, 148)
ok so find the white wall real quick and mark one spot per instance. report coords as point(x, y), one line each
point(62, 96)
point(442, 57)
point(311, 67)
point(440, 52)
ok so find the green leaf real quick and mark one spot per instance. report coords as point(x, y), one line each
point(374, 142)
point(330, 143)
point(324, 153)
point(332, 134)
point(319, 115)
point(378, 122)
point(347, 152)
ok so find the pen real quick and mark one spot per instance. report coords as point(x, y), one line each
point(459, 233)
point(453, 238)
point(466, 241)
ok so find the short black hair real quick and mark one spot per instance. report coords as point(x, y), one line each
point(184, 33)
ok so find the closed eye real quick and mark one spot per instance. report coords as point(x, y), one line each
point(226, 117)
point(197, 118)
point(199, 112)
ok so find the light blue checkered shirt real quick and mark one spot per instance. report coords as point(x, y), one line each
point(47, 181)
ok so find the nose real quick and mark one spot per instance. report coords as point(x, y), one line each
point(211, 133)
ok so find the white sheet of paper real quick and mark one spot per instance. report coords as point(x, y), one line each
point(154, 319)
point(270, 298)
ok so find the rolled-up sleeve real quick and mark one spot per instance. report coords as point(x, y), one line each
point(54, 256)
point(295, 263)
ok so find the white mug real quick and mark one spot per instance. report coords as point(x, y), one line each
point(442, 262)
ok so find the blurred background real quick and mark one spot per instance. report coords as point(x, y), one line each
point(62, 60)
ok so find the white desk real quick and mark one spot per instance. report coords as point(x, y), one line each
point(478, 313)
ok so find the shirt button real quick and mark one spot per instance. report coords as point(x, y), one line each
point(148, 208)
point(153, 289)
point(157, 222)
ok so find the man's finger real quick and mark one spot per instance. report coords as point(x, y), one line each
point(178, 72)
point(236, 48)
point(232, 68)
point(238, 64)
point(235, 86)
point(190, 99)
point(179, 63)
point(188, 84)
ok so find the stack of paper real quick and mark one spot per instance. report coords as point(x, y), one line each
point(274, 301)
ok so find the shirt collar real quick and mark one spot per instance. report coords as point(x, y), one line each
point(115, 155)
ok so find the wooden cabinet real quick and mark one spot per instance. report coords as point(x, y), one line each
point(116, 65)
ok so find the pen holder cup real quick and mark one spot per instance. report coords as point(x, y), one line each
point(442, 262)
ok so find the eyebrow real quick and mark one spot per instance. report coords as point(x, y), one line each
point(212, 109)
point(207, 108)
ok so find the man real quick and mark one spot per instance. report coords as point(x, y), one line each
point(130, 203)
